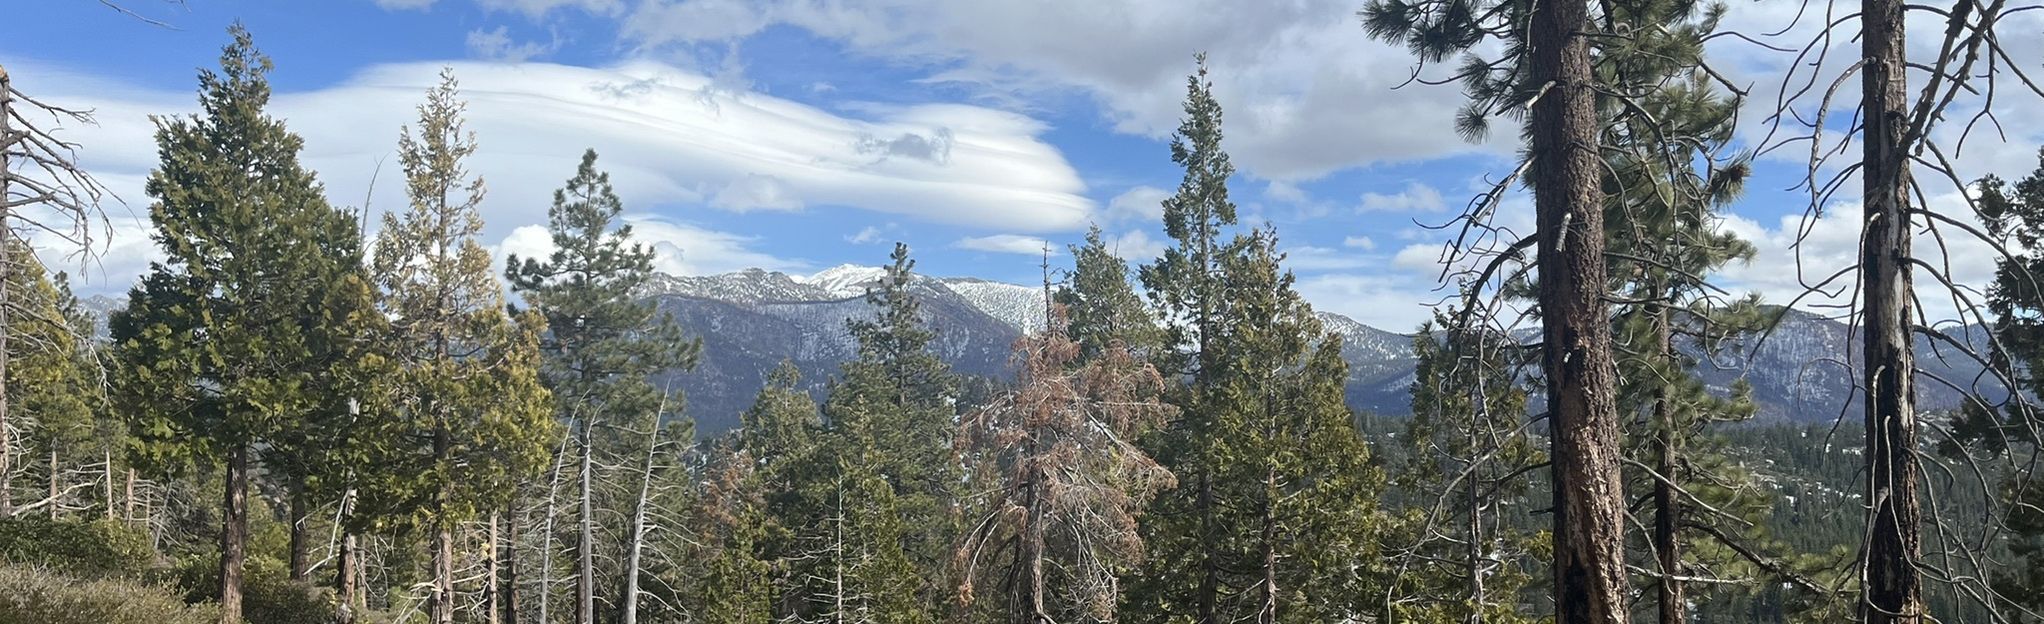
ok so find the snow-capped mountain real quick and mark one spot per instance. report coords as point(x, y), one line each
point(845, 280)
point(751, 321)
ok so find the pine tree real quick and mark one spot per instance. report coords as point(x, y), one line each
point(1467, 557)
point(603, 342)
point(1545, 66)
point(867, 499)
point(895, 403)
point(736, 583)
point(469, 417)
point(1298, 474)
point(1104, 307)
point(219, 344)
point(1059, 524)
point(53, 383)
point(1184, 285)
point(778, 438)
point(2014, 213)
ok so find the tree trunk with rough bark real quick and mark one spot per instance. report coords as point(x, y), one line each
point(347, 573)
point(128, 498)
point(1892, 584)
point(233, 534)
point(1667, 508)
point(1032, 602)
point(301, 541)
point(1589, 511)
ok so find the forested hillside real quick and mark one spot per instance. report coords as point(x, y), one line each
point(306, 411)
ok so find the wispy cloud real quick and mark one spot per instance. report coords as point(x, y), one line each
point(1007, 243)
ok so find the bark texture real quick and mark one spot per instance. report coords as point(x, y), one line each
point(233, 534)
point(1589, 514)
point(1893, 588)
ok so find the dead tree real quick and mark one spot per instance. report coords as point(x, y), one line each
point(628, 609)
point(1907, 155)
point(43, 191)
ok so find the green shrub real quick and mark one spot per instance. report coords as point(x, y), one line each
point(267, 594)
point(41, 596)
point(96, 549)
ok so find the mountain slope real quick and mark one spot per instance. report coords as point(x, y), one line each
point(750, 321)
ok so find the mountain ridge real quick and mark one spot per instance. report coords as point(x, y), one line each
point(752, 320)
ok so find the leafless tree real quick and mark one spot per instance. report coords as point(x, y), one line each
point(1913, 116)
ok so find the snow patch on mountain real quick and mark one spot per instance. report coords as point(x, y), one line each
point(845, 280)
point(1019, 306)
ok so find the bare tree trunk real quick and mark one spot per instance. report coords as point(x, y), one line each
point(630, 609)
point(546, 552)
point(585, 543)
point(128, 498)
point(1667, 510)
point(491, 596)
point(1268, 614)
point(1476, 539)
point(510, 586)
point(1893, 587)
point(108, 458)
point(1589, 512)
point(6, 275)
point(441, 606)
point(1032, 541)
point(233, 534)
point(345, 587)
point(55, 505)
point(301, 541)
point(348, 571)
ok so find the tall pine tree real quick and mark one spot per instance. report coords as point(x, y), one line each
point(219, 344)
point(469, 418)
point(603, 342)
point(1277, 500)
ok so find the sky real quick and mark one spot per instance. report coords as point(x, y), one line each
point(796, 135)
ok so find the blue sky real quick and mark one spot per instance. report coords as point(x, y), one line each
point(801, 134)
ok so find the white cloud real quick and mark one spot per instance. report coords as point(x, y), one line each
point(1138, 203)
point(1795, 257)
point(1006, 243)
point(1415, 198)
point(1310, 258)
point(1280, 190)
point(664, 140)
point(1380, 301)
point(678, 248)
point(1135, 246)
point(1292, 114)
point(756, 192)
point(536, 9)
point(1359, 242)
point(404, 5)
point(496, 45)
point(870, 234)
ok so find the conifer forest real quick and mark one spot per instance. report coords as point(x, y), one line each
point(314, 408)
